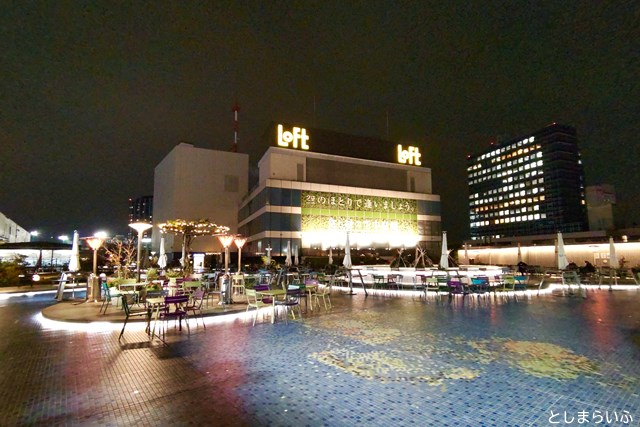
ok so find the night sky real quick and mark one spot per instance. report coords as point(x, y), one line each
point(94, 95)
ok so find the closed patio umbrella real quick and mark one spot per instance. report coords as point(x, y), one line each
point(444, 254)
point(287, 260)
point(346, 262)
point(162, 258)
point(330, 255)
point(519, 254)
point(562, 256)
point(347, 254)
point(613, 258)
point(295, 255)
point(74, 262)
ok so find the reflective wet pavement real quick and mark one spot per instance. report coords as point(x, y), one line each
point(368, 361)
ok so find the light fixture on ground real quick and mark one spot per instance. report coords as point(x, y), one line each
point(225, 241)
point(140, 227)
point(239, 241)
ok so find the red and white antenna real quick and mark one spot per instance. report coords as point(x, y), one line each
point(234, 147)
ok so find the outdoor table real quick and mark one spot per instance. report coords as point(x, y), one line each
point(273, 293)
point(130, 285)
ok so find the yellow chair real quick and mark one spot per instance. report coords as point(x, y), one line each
point(323, 292)
point(253, 301)
point(237, 283)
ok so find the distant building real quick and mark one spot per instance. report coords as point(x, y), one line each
point(309, 195)
point(601, 200)
point(312, 187)
point(530, 185)
point(10, 232)
point(141, 210)
point(196, 183)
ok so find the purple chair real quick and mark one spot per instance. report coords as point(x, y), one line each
point(264, 287)
point(174, 309)
point(456, 287)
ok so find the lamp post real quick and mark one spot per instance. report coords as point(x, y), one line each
point(239, 241)
point(94, 243)
point(225, 241)
point(140, 227)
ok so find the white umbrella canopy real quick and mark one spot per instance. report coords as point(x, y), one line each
point(613, 258)
point(347, 254)
point(295, 255)
point(74, 262)
point(444, 254)
point(162, 258)
point(287, 260)
point(562, 256)
point(330, 255)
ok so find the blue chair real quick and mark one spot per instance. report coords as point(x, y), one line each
point(480, 285)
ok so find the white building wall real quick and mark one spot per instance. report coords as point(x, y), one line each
point(10, 232)
point(195, 183)
point(546, 256)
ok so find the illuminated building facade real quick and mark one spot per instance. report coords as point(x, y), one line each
point(314, 186)
point(141, 209)
point(528, 185)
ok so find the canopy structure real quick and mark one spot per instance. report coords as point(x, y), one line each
point(190, 229)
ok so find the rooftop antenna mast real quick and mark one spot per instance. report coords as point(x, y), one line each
point(236, 109)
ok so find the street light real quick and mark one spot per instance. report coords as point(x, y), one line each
point(140, 227)
point(94, 243)
point(239, 241)
point(225, 241)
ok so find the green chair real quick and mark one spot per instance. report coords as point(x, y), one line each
point(130, 312)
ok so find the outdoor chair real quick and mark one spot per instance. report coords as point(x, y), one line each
point(480, 285)
point(254, 301)
point(325, 294)
point(195, 305)
point(290, 301)
point(130, 312)
point(455, 287)
point(420, 283)
point(378, 281)
point(174, 309)
point(109, 295)
point(508, 284)
point(443, 283)
point(237, 284)
point(520, 283)
point(394, 280)
point(431, 285)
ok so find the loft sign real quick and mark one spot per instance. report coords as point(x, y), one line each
point(409, 156)
point(295, 138)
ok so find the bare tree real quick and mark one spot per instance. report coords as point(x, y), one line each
point(121, 254)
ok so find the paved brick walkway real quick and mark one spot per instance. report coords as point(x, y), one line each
point(376, 361)
point(74, 378)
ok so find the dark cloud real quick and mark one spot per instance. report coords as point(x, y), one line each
point(95, 94)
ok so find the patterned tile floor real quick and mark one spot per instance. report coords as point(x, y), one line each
point(368, 361)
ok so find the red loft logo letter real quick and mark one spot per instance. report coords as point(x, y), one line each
point(411, 155)
point(293, 138)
